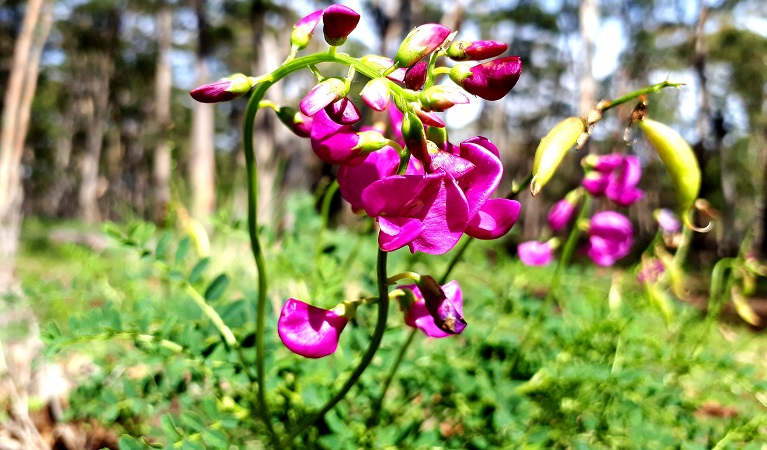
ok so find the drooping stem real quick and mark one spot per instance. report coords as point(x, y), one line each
point(655, 88)
point(211, 313)
point(375, 341)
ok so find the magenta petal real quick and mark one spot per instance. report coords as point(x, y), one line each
point(595, 183)
point(495, 219)
point(332, 142)
point(429, 118)
point(451, 164)
point(412, 191)
point(398, 232)
point(319, 97)
point(560, 215)
point(418, 315)
point(309, 331)
point(480, 183)
point(343, 112)
point(610, 237)
point(445, 221)
point(353, 179)
point(533, 253)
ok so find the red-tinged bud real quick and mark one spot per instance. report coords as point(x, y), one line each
point(445, 315)
point(441, 98)
point(429, 118)
point(415, 76)
point(415, 138)
point(339, 22)
point(295, 121)
point(304, 30)
point(421, 41)
point(475, 51)
point(325, 93)
point(491, 80)
point(343, 112)
point(223, 90)
point(376, 94)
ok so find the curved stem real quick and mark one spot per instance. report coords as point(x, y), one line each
point(655, 88)
point(375, 341)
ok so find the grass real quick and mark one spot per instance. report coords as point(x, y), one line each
point(586, 375)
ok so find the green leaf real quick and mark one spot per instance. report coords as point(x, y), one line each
point(169, 426)
point(192, 420)
point(183, 249)
point(129, 443)
point(192, 445)
point(162, 245)
point(197, 271)
point(113, 231)
point(215, 438)
point(216, 288)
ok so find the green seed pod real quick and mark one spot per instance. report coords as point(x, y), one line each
point(680, 161)
point(552, 149)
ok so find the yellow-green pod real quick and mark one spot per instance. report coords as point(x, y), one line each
point(681, 163)
point(552, 149)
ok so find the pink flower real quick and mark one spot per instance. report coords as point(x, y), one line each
point(650, 270)
point(339, 22)
point(353, 179)
point(562, 212)
point(309, 331)
point(376, 94)
point(421, 41)
point(610, 237)
point(667, 221)
point(332, 142)
point(343, 112)
point(304, 30)
point(417, 313)
point(614, 176)
point(475, 51)
point(323, 94)
point(295, 121)
point(491, 80)
point(441, 98)
point(223, 90)
point(534, 253)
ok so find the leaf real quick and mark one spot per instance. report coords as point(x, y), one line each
point(169, 426)
point(192, 445)
point(192, 420)
point(197, 271)
point(217, 288)
point(129, 443)
point(162, 245)
point(183, 249)
point(113, 231)
point(215, 438)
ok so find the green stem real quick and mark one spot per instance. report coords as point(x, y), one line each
point(367, 358)
point(208, 310)
point(411, 335)
point(327, 199)
point(720, 282)
point(655, 88)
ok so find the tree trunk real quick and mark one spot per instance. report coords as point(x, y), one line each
point(22, 82)
point(202, 167)
point(588, 18)
point(163, 80)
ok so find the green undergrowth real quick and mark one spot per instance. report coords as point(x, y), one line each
point(578, 374)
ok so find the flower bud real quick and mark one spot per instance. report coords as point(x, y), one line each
point(441, 98)
point(415, 76)
point(680, 161)
point(381, 63)
point(491, 80)
point(301, 126)
point(421, 41)
point(564, 210)
point(304, 30)
point(415, 138)
point(536, 254)
point(445, 315)
point(475, 51)
point(223, 90)
point(429, 118)
point(552, 149)
point(323, 94)
point(376, 94)
point(370, 141)
point(339, 22)
point(667, 221)
point(343, 111)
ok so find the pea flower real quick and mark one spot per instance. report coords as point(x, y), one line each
point(376, 94)
point(441, 98)
point(563, 211)
point(339, 21)
point(310, 331)
point(614, 176)
point(323, 94)
point(417, 313)
point(296, 122)
point(332, 142)
point(421, 41)
point(415, 76)
point(304, 30)
point(223, 90)
point(343, 111)
point(610, 237)
point(491, 80)
point(667, 221)
point(535, 254)
point(475, 51)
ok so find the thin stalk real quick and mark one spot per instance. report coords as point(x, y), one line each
point(655, 88)
point(327, 199)
point(211, 313)
point(375, 341)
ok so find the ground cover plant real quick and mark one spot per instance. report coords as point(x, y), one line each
point(343, 339)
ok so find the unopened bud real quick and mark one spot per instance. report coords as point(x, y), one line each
point(339, 22)
point(304, 30)
point(370, 141)
point(376, 94)
point(445, 315)
point(421, 41)
point(323, 94)
point(415, 76)
point(552, 149)
point(295, 121)
point(223, 90)
point(475, 51)
point(441, 98)
point(415, 137)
